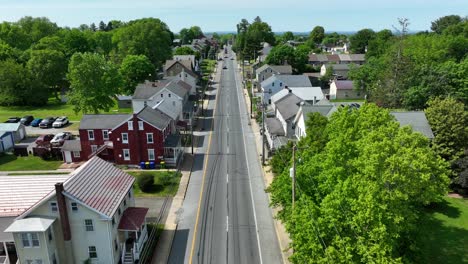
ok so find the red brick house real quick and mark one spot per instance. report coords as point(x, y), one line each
point(130, 139)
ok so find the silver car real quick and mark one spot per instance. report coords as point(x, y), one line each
point(60, 122)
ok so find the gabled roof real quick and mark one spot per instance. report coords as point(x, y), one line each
point(288, 106)
point(325, 110)
point(274, 126)
point(99, 185)
point(178, 88)
point(357, 57)
point(71, 145)
point(19, 193)
point(279, 69)
point(289, 80)
point(170, 111)
point(308, 93)
point(146, 90)
point(32, 224)
point(10, 126)
point(344, 85)
point(337, 66)
point(318, 57)
point(417, 120)
point(185, 63)
point(103, 121)
point(190, 58)
point(132, 218)
point(154, 117)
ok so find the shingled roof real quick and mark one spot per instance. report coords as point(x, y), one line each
point(103, 121)
point(154, 117)
point(288, 106)
point(186, 63)
point(99, 185)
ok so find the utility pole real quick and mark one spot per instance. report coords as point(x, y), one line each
point(263, 131)
point(191, 130)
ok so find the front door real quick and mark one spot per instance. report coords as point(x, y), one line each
point(68, 158)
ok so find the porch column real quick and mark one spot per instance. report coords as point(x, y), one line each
point(6, 252)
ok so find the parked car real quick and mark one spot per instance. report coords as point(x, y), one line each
point(60, 122)
point(26, 120)
point(44, 140)
point(13, 120)
point(60, 138)
point(47, 122)
point(36, 122)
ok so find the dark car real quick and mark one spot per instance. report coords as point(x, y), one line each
point(36, 122)
point(44, 140)
point(47, 122)
point(13, 120)
point(26, 120)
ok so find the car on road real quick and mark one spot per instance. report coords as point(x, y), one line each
point(13, 120)
point(60, 138)
point(26, 120)
point(60, 122)
point(44, 140)
point(36, 122)
point(47, 122)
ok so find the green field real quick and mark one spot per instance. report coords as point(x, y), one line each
point(14, 163)
point(161, 186)
point(53, 108)
point(443, 233)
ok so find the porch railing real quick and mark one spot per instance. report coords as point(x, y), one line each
point(138, 246)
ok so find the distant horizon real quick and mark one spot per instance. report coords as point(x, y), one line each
point(214, 16)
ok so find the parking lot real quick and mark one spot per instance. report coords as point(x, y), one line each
point(40, 131)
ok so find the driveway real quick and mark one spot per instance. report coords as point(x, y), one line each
point(40, 131)
point(154, 204)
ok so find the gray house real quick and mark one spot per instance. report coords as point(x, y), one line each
point(417, 120)
point(17, 129)
point(6, 141)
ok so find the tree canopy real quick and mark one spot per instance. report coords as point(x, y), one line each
point(135, 69)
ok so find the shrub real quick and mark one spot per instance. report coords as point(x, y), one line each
point(145, 182)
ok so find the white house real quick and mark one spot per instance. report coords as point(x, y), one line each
point(87, 216)
point(188, 78)
point(17, 129)
point(310, 95)
point(276, 83)
point(266, 71)
point(299, 122)
point(344, 90)
point(6, 141)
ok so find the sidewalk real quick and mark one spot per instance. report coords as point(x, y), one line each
point(283, 236)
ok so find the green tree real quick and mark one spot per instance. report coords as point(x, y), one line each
point(19, 87)
point(8, 52)
point(317, 35)
point(102, 26)
point(380, 44)
point(361, 39)
point(135, 69)
point(280, 55)
point(14, 36)
point(288, 35)
point(75, 40)
point(150, 37)
point(103, 42)
point(257, 32)
point(50, 43)
point(37, 27)
point(93, 83)
point(49, 67)
point(439, 25)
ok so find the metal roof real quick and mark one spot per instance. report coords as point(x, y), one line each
point(274, 126)
point(71, 145)
point(103, 121)
point(417, 120)
point(19, 193)
point(99, 185)
point(33, 224)
point(172, 141)
point(132, 218)
point(146, 90)
point(281, 69)
point(177, 88)
point(294, 80)
point(168, 110)
point(344, 85)
point(154, 117)
point(10, 126)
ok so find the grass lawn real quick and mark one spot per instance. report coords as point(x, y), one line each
point(444, 233)
point(14, 163)
point(165, 183)
point(53, 108)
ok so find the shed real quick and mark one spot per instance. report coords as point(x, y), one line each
point(6, 141)
point(124, 101)
point(17, 129)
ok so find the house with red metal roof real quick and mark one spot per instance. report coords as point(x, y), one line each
point(87, 215)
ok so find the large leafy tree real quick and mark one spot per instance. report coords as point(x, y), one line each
point(317, 35)
point(48, 66)
point(37, 27)
point(13, 35)
point(257, 32)
point(284, 54)
point(361, 39)
point(361, 184)
point(135, 69)
point(93, 83)
point(189, 34)
point(439, 25)
point(19, 87)
point(150, 37)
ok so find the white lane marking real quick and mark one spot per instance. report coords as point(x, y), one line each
point(248, 169)
point(227, 178)
point(227, 223)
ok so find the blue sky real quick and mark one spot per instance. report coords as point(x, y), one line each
point(221, 15)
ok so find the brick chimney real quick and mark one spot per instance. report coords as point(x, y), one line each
point(64, 222)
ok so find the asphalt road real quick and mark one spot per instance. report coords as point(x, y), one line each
point(230, 222)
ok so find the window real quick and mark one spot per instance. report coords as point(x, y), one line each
point(54, 259)
point(105, 134)
point(30, 240)
point(129, 194)
point(149, 138)
point(281, 84)
point(113, 221)
point(130, 125)
point(125, 138)
point(125, 202)
point(49, 234)
point(119, 211)
point(116, 246)
point(140, 125)
point(93, 148)
point(74, 206)
point(169, 95)
point(89, 225)
point(53, 206)
point(126, 154)
point(150, 154)
point(92, 252)
point(273, 84)
point(162, 95)
point(90, 134)
point(76, 154)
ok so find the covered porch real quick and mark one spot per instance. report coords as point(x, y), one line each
point(133, 233)
point(172, 150)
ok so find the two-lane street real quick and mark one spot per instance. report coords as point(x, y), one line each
point(231, 223)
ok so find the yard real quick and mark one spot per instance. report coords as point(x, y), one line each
point(14, 163)
point(53, 108)
point(165, 183)
point(443, 236)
